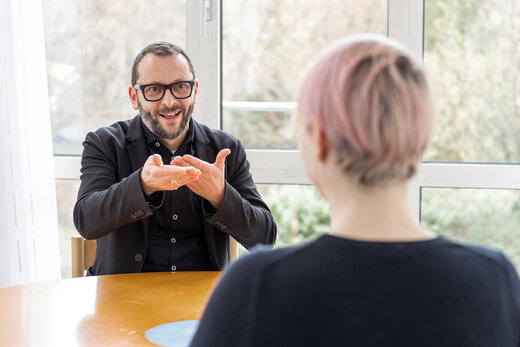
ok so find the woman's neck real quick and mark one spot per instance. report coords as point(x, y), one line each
point(373, 214)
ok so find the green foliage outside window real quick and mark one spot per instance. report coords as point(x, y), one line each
point(299, 211)
point(483, 216)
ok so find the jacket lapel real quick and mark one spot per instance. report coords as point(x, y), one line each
point(201, 143)
point(137, 149)
point(204, 151)
point(136, 144)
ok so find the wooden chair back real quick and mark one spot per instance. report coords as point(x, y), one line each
point(233, 248)
point(83, 254)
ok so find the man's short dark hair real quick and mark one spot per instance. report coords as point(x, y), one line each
point(159, 48)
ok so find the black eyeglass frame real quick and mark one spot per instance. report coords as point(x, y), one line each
point(165, 87)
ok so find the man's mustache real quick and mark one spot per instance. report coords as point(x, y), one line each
point(171, 110)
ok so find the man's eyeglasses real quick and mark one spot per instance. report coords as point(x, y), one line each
point(155, 92)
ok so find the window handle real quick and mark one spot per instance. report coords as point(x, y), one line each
point(205, 15)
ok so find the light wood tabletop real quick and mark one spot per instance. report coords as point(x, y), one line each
point(108, 310)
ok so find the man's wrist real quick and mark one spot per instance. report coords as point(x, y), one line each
point(147, 191)
point(154, 200)
point(217, 202)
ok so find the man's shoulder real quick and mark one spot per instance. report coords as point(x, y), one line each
point(116, 135)
point(119, 128)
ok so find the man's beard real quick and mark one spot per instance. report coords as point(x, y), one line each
point(156, 127)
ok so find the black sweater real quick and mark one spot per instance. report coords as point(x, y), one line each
point(340, 292)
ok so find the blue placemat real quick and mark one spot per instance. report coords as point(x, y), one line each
point(175, 334)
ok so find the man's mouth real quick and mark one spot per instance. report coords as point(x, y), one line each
point(171, 115)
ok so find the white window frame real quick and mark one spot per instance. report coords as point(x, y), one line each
point(405, 24)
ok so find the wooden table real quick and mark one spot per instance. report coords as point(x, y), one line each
point(109, 310)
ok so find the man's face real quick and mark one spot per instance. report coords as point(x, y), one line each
point(167, 118)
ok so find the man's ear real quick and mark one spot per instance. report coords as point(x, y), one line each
point(133, 97)
point(195, 90)
point(322, 145)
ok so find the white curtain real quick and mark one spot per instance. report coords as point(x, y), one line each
point(29, 244)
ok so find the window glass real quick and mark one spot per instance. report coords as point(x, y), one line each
point(266, 47)
point(299, 211)
point(471, 52)
point(488, 217)
point(90, 47)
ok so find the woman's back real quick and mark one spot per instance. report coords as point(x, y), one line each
point(340, 292)
point(365, 116)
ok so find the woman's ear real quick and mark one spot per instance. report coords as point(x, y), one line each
point(322, 145)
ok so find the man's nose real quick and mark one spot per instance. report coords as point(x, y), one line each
point(168, 98)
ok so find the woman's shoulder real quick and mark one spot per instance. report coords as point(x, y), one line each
point(478, 253)
point(263, 256)
point(262, 260)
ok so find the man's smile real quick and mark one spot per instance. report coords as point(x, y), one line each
point(171, 115)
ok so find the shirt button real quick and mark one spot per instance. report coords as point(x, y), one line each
point(173, 240)
point(175, 217)
point(158, 144)
point(138, 257)
point(174, 267)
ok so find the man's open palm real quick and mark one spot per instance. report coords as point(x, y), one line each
point(210, 185)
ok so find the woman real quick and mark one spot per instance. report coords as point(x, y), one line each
point(379, 278)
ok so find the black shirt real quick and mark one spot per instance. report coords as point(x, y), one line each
point(340, 292)
point(176, 240)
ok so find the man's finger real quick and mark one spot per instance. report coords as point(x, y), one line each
point(221, 157)
point(190, 170)
point(179, 170)
point(168, 170)
point(154, 160)
point(180, 162)
point(199, 164)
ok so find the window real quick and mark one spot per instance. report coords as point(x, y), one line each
point(260, 77)
point(471, 50)
point(250, 57)
point(471, 53)
point(261, 71)
point(90, 47)
point(485, 216)
point(300, 212)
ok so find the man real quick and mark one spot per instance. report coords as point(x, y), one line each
point(161, 192)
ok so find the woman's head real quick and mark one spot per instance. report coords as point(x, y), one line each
point(372, 102)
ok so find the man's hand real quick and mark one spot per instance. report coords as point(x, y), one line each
point(210, 185)
point(156, 176)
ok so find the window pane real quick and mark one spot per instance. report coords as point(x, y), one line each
point(489, 217)
point(266, 46)
point(299, 211)
point(90, 47)
point(471, 52)
point(66, 194)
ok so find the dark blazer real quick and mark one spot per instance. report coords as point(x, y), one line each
point(112, 208)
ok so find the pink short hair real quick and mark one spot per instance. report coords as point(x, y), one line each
point(372, 101)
